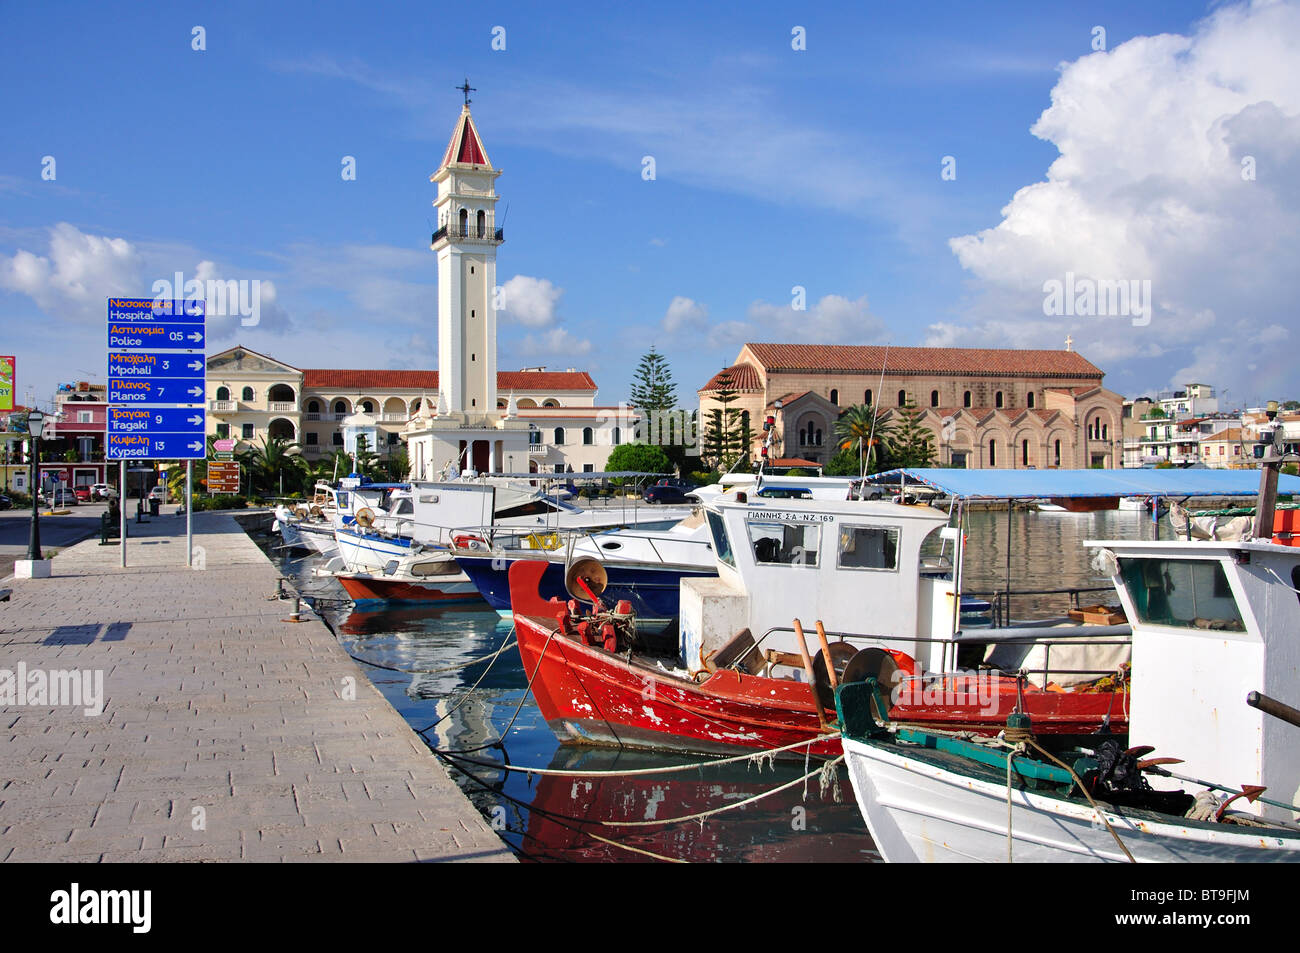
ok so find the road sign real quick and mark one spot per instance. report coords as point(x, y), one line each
point(223, 477)
point(127, 334)
point(184, 420)
point(138, 365)
point(224, 445)
point(223, 456)
point(168, 391)
point(156, 446)
point(149, 311)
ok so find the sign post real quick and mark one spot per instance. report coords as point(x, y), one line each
point(156, 384)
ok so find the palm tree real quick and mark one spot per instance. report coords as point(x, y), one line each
point(275, 457)
point(859, 428)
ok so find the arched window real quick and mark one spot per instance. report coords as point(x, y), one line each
point(866, 397)
point(616, 437)
point(367, 407)
point(559, 436)
point(588, 436)
point(247, 394)
point(835, 396)
point(993, 453)
point(1024, 453)
point(1029, 400)
point(997, 399)
point(902, 398)
point(965, 399)
point(464, 223)
point(1104, 428)
point(340, 406)
point(223, 393)
point(313, 406)
point(934, 398)
point(1058, 453)
point(482, 222)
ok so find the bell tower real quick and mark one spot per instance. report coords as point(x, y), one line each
point(466, 243)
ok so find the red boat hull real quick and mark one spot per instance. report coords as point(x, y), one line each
point(592, 696)
point(361, 587)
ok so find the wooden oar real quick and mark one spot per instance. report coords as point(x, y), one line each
point(826, 655)
point(808, 667)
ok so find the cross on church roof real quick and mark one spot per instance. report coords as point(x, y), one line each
point(1069, 341)
point(466, 89)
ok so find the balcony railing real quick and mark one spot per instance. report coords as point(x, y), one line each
point(470, 232)
point(393, 418)
point(223, 406)
point(283, 406)
point(536, 450)
point(313, 416)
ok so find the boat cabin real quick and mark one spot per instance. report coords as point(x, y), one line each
point(856, 565)
point(1212, 622)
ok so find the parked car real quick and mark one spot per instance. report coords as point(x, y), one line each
point(83, 493)
point(64, 496)
point(5, 502)
point(99, 491)
point(158, 493)
point(669, 491)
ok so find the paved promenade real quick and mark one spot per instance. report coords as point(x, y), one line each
point(226, 733)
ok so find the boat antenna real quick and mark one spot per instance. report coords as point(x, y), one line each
point(871, 437)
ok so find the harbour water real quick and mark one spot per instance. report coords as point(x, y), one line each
point(482, 717)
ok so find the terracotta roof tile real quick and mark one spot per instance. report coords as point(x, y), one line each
point(743, 377)
point(347, 379)
point(924, 360)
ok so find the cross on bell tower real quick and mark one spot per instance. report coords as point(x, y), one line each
point(466, 89)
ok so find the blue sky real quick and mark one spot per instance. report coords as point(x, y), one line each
point(775, 168)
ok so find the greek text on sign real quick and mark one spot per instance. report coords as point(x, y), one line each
point(163, 419)
point(789, 516)
point(169, 335)
point(158, 390)
point(148, 310)
point(155, 364)
point(155, 446)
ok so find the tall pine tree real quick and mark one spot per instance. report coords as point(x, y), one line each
point(652, 384)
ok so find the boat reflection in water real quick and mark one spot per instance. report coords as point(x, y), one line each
point(562, 812)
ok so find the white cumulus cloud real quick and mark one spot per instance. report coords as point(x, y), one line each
point(529, 301)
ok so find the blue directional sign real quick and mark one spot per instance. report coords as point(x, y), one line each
point(125, 334)
point(149, 311)
point(156, 446)
point(155, 390)
point(156, 367)
point(137, 365)
point(179, 420)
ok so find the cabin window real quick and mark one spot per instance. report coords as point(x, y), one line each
point(784, 544)
point(868, 547)
point(403, 507)
point(721, 544)
point(1187, 593)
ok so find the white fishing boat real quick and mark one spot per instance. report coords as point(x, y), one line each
point(1214, 666)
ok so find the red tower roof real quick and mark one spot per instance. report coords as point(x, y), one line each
point(465, 147)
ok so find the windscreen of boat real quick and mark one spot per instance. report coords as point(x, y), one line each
point(868, 547)
point(1188, 593)
point(540, 506)
point(721, 544)
point(784, 544)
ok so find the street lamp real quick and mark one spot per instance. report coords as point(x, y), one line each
point(35, 426)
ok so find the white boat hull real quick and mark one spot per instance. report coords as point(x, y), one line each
point(919, 812)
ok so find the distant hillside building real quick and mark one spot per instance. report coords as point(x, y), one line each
point(987, 408)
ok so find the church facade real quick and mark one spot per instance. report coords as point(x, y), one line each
point(985, 407)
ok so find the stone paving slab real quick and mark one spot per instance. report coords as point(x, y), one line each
point(211, 701)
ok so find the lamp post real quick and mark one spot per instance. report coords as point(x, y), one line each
point(35, 425)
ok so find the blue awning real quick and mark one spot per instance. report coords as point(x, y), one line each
point(1048, 484)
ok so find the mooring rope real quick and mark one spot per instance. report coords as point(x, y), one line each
point(1100, 813)
point(437, 671)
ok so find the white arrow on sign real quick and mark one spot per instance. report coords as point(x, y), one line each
point(196, 365)
point(196, 391)
point(196, 420)
point(196, 336)
point(196, 445)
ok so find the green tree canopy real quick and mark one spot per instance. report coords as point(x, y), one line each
point(911, 441)
point(652, 384)
point(857, 431)
point(643, 457)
